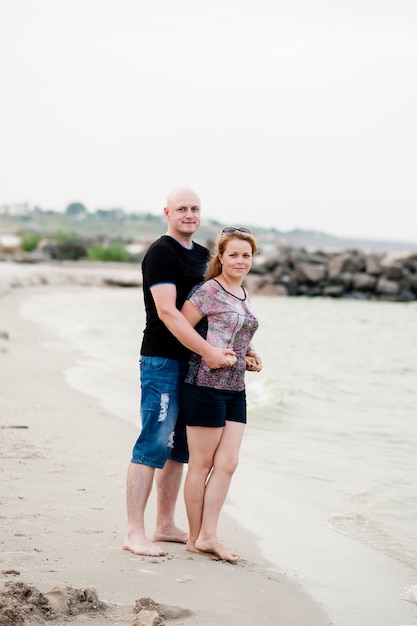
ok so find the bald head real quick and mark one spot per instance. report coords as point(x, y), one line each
point(182, 196)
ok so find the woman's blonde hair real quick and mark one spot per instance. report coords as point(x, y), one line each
point(215, 267)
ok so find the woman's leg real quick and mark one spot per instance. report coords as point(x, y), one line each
point(225, 461)
point(202, 445)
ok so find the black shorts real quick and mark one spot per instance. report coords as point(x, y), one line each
point(205, 406)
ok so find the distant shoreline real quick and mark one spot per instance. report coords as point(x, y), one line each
point(284, 271)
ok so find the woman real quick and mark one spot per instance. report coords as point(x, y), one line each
point(214, 401)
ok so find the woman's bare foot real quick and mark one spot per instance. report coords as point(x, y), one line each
point(217, 548)
point(142, 546)
point(190, 546)
point(172, 533)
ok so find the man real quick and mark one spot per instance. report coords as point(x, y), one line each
point(171, 267)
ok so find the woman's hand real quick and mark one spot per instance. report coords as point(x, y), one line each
point(252, 365)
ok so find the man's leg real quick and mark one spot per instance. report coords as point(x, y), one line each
point(160, 385)
point(168, 483)
point(139, 485)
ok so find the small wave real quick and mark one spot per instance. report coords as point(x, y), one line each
point(263, 392)
point(362, 528)
point(410, 594)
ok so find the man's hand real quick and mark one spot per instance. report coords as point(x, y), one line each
point(218, 357)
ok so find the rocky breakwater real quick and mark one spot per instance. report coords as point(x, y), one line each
point(348, 274)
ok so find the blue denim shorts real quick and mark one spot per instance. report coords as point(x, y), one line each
point(163, 431)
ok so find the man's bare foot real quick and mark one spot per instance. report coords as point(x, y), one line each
point(218, 549)
point(172, 533)
point(142, 547)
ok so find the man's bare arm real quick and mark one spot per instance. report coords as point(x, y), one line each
point(164, 296)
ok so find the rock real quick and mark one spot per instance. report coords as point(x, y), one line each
point(373, 265)
point(411, 281)
point(309, 272)
point(309, 290)
point(273, 289)
point(334, 291)
point(405, 295)
point(410, 263)
point(254, 282)
point(393, 271)
point(288, 284)
point(363, 282)
point(357, 262)
point(338, 264)
point(387, 287)
point(265, 265)
point(346, 279)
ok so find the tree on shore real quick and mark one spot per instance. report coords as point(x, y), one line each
point(75, 209)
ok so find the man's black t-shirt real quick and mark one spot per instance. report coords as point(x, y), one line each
point(167, 261)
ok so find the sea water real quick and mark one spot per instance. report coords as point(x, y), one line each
point(332, 416)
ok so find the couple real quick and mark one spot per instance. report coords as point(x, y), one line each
point(209, 387)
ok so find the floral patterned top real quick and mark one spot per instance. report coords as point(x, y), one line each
point(228, 322)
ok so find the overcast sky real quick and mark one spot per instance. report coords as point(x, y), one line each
point(295, 113)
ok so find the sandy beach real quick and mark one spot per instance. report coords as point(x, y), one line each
point(62, 511)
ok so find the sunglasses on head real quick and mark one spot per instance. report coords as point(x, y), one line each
point(231, 229)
